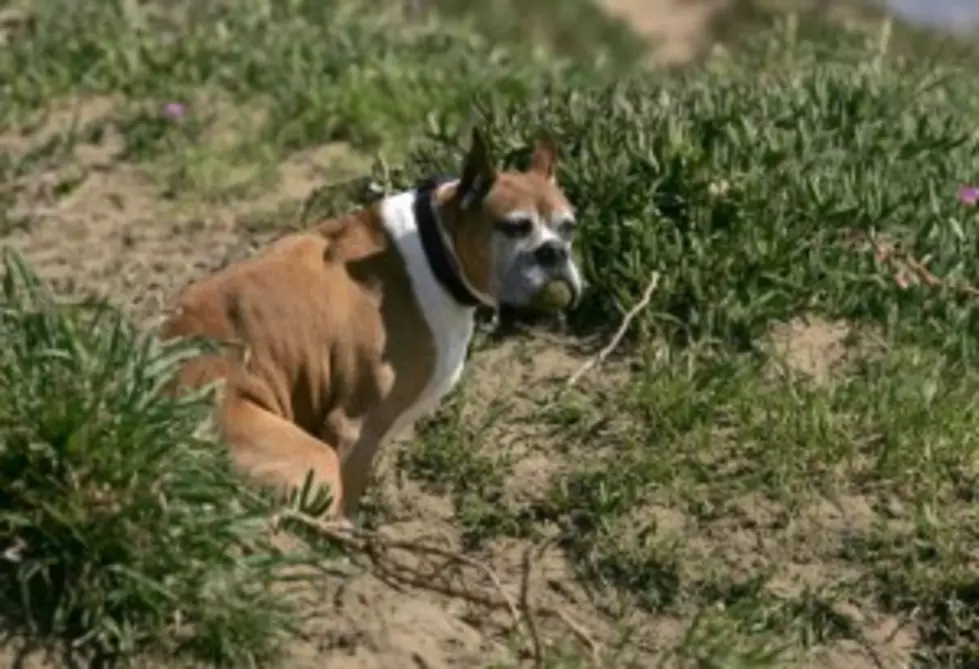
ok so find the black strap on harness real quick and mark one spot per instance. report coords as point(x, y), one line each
point(440, 257)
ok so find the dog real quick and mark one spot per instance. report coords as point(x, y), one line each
point(352, 330)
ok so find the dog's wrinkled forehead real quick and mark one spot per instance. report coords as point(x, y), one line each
point(512, 203)
point(519, 196)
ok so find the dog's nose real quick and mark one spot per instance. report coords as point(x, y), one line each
point(551, 253)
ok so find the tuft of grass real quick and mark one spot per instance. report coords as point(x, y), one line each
point(123, 531)
point(450, 458)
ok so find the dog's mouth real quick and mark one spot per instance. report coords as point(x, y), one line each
point(558, 295)
point(514, 317)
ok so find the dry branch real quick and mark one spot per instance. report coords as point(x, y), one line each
point(377, 549)
point(609, 348)
point(903, 264)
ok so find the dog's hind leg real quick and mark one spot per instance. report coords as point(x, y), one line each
point(276, 453)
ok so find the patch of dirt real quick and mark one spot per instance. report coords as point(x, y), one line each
point(368, 624)
point(678, 30)
point(814, 347)
point(888, 641)
point(90, 224)
point(362, 622)
point(526, 374)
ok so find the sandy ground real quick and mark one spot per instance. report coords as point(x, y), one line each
point(677, 29)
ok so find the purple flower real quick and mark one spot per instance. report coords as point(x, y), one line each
point(174, 111)
point(969, 195)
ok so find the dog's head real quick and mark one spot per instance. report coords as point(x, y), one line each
point(512, 231)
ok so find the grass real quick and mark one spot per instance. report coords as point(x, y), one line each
point(779, 467)
point(124, 529)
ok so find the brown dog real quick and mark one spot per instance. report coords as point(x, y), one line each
point(353, 330)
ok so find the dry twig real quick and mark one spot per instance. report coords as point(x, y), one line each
point(375, 545)
point(609, 348)
point(377, 548)
point(525, 607)
point(904, 263)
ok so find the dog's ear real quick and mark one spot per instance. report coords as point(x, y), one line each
point(478, 173)
point(544, 159)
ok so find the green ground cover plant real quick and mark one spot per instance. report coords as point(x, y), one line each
point(124, 529)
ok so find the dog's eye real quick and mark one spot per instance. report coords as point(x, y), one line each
point(516, 227)
point(566, 229)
